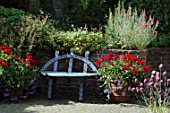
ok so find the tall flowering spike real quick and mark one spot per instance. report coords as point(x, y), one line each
point(157, 23)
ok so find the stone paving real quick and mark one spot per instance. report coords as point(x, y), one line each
point(42, 105)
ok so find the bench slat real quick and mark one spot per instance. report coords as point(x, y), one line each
point(66, 74)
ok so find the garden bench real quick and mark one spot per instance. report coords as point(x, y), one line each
point(55, 73)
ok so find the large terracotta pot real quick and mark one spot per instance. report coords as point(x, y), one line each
point(117, 93)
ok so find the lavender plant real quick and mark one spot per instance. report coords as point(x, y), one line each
point(155, 90)
point(129, 30)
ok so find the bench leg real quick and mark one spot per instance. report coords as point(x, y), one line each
point(82, 80)
point(50, 83)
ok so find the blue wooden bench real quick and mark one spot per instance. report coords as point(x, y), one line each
point(69, 73)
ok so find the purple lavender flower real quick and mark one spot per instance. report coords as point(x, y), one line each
point(6, 94)
point(18, 86)
point(106, 91)
point(14, 98)
point(32, 93)
point(109, 92)
point(123, 93)
point(119, 87)
point(129, 89)
point(33, 88)
point(23, 97)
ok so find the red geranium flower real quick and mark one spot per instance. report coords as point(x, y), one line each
point(7, 51)
point(28, 56)
point(134, 71)
point(4, 64)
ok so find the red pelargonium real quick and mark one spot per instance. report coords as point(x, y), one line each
point(7, 50)
point(124, 67)
point(28, 56)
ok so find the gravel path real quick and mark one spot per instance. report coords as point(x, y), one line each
point(42, 105)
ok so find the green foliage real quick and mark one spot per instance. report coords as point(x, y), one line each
point(22, 30)
point(80, 40)
point(127, 30)
point(160, 10)
point(161, 41)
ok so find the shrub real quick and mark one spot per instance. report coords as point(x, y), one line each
point(160, 10)
point(24, 31)
point(79, 39)
point(127, 30)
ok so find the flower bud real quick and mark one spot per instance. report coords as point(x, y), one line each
point(141, 84)
point(136, 80)
point(156, 85)
point(145, 80)
point(160, 66)
point(157, 78)
point(150, 84)
point(153, 72)
point(168, 81)
point(152, 76)
point(164, 74)
point(133, 89)
point(157, 74)
point(141, 89)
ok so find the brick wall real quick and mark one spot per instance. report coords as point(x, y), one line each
point(69, 87)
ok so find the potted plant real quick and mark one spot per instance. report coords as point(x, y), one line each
point(16, 73)
point(120, 72)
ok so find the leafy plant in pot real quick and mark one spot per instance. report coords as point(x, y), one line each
point(119, 73)
point(16, 73)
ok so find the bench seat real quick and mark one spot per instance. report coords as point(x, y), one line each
point(66, 74)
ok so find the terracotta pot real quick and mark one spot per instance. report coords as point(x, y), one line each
point(117, 93)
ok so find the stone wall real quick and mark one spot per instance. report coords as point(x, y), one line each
point(69, 87)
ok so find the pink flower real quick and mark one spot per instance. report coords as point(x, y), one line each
point(150, 84)
point(145, 80)
point(141, 84)
point(152, 76)
point(157, 74)
point(153, 72)
point(157, 78)
point(133, 89)
point(168, 81)
point(164, 74)
point(160, 66)
point(136, 80)
point(141, 89)
point(156, 85)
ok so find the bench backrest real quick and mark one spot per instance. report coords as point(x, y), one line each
point(70, 56)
